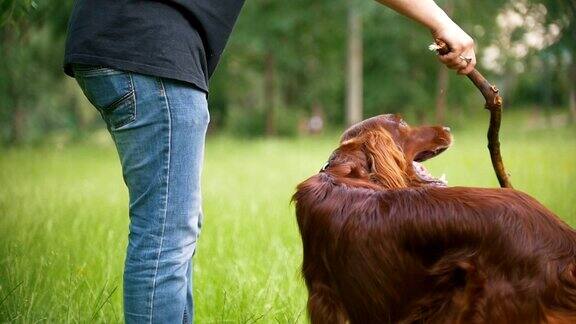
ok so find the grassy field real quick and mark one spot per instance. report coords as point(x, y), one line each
point(63, 223)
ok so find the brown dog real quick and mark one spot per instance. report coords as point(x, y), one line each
point(385, 242)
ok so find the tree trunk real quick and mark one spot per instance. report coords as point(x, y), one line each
point(572, 90)
point(572, 103)
point(80, 119)
point(269, 93)
point(354, 86)
point(441, 95)
point(17, 126)
point(17, 113)
point(547, 89)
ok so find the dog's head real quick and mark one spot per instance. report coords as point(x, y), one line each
point(386, 152)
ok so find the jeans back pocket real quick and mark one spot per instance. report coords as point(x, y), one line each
point(111, 91)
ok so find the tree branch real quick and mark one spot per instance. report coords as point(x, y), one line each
point(494, 105)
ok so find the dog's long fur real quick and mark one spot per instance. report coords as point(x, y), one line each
point(382, 245)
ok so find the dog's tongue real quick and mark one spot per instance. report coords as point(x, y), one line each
point(423, 174)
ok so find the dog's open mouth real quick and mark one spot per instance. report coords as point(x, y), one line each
point(423, 173)
point(425, 155)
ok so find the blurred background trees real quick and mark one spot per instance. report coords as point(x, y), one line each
point(287, 61)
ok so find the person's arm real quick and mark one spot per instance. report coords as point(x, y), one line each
point(442, 27)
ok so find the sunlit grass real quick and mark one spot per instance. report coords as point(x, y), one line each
point(63, 223)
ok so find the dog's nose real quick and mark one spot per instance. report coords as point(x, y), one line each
point(446, 128)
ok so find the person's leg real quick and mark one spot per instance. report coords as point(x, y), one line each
point(159, 128)
point(189, 310)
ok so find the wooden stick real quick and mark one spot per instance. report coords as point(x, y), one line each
point(494, 105)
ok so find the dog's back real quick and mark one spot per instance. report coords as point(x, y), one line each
point(386, 242)
point(433, 255)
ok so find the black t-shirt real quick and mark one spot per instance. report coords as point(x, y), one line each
point(177, 39)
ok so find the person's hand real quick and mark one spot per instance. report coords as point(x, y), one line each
point(461, 56)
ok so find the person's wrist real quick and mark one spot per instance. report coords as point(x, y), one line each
point(440, 21)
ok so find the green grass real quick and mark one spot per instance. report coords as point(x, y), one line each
point(63, 223)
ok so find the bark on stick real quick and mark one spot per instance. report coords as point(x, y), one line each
point(494, 105)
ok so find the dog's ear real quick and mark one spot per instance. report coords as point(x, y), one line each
point(386, 161)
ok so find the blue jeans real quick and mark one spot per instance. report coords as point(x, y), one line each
point(158, 126)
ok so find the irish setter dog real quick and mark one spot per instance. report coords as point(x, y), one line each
point(385, 242)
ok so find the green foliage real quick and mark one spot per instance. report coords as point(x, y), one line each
point(309, 54)
point(563, 13)
point(15, 10)
point(307, 41)
point(33, 97)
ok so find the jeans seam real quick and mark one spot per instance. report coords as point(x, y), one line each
point(165, 201)
point(134, 96)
